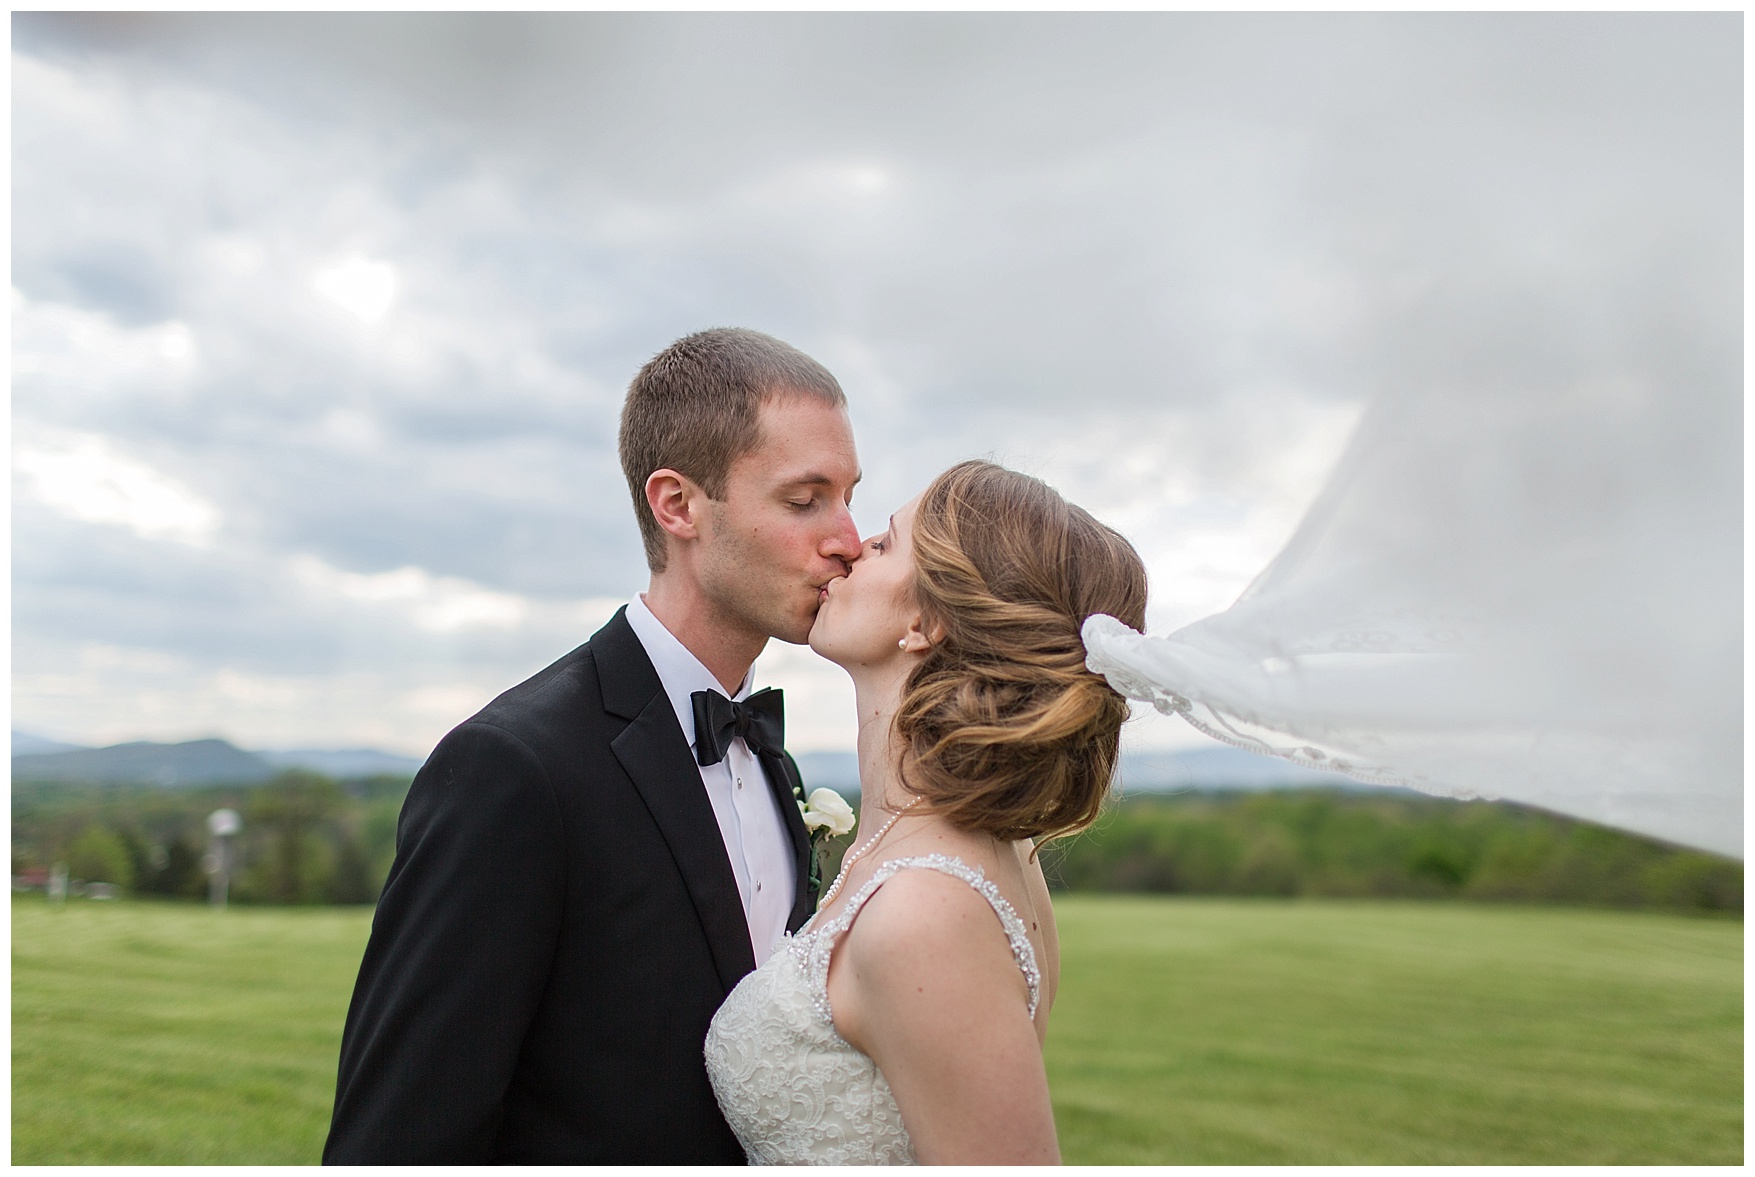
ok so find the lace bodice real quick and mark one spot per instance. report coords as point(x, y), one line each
point(794, 1090)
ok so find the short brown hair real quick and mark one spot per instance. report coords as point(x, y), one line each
point(695, 408)
point(1003, 729)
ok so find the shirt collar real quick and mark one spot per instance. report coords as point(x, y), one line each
point(680, 672)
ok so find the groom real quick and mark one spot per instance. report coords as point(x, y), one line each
point(583, 871)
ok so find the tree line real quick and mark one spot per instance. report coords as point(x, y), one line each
point(1327, 842)
point(308, 839)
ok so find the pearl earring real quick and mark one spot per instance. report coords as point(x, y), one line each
point(901, 643)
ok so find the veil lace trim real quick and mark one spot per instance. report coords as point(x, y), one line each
point(1112, 649)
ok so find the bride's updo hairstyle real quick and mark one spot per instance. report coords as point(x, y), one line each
point(1003, 730)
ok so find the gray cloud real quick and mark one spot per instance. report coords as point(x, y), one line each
point(1162, 259)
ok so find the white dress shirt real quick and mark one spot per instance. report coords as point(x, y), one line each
point(756, 841)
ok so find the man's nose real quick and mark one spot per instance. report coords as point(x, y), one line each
point(843, 541)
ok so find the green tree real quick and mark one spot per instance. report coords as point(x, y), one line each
point(174, 868)
point(97, 855)
point(1270, 867)
point(351, 881)
point(287, 814)
point(1330, 843)
point(1700, 881)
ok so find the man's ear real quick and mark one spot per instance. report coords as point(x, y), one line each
point(675, 502)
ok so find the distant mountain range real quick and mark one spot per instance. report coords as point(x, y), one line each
point(1218, 767)
point(201, 762)
point(25, 744)
point(194, 762)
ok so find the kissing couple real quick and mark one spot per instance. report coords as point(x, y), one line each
point(602, 940)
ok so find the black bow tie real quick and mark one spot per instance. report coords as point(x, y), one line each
point(759, 720)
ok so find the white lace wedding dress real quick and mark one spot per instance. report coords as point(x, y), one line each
point(795, 1091)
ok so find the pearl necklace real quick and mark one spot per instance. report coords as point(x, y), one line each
point(857, 853)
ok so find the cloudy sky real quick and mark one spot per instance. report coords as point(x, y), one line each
point(321, 322)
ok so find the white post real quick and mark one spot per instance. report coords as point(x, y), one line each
point(223, 825)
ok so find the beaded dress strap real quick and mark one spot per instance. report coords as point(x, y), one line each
point(821, 941)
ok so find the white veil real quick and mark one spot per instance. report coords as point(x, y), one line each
point(1530, 593)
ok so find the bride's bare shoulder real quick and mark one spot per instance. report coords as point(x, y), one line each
point(925, 919)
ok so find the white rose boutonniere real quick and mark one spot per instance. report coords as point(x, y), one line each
point(826, 815)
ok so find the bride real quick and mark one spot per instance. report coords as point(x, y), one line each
point(905, 1022)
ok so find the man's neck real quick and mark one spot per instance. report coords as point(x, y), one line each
point(723, 647)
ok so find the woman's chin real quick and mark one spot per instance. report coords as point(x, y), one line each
point(823, 643)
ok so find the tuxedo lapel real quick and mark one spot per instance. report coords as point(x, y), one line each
point(788, 785)
point(655, 754)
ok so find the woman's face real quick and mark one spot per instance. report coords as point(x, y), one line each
point(865, 614)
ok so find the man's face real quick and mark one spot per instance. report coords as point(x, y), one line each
point(783, 529)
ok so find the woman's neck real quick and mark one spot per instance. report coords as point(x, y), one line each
point(878, 696)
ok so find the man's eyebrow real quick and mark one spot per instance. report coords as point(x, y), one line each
point(814, 479)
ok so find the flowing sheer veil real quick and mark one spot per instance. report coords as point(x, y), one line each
point(1512, 590)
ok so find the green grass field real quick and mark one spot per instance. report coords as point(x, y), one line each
point(1395, 1032)
point(1187, 1031)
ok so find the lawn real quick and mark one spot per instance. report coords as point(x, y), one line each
point(1226, 1031)
point(1187, 1031)
point(160, 1033)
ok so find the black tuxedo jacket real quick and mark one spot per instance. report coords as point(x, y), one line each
point(559, 927)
